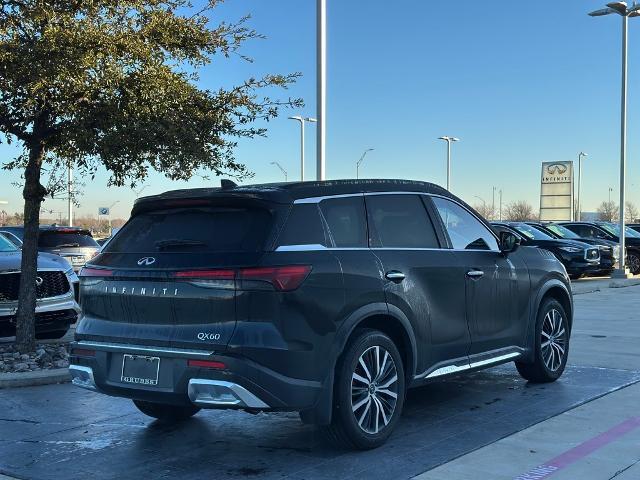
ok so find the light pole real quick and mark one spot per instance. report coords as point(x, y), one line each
point(110, 207)
point(493, 202)
point(281, 169)
point(70, 193)
point(610, 190)
point(138, 192)
point(359, 162)
point(302, 120)
point(581, 155)
point(621, 9)
point(449, 140)
point(321, 86)
point(500, 218)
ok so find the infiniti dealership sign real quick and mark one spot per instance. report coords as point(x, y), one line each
point(556, 191)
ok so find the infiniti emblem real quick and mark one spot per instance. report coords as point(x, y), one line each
point(146, 261)
point(39, 281)
point(556, 168)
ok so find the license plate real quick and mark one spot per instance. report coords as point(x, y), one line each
point(77, 260)
point(140, 370)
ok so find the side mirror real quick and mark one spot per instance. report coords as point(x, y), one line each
point(509, 242)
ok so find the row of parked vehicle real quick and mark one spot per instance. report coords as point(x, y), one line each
point(585, 248)
point(62, 252)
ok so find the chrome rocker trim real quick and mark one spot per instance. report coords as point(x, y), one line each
point(217, 393)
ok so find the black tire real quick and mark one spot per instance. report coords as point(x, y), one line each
point(356, 428)
point(166, 413)
point(633, 260)
point(54, 335)
point(550, 360)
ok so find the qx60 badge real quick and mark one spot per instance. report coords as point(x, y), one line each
point(146, 261)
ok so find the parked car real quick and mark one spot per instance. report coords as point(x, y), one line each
point(578, 258)
point(74, 244)
point(634, 226)
point(610, 231)
point(326, 298)
point(56, 307)
point(609, 250)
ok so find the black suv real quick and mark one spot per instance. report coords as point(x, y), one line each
point(611, 231)
point(74, 244)
point(327, 298)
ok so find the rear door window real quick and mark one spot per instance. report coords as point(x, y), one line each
point(400, 221)
point(59, 239)
point(346, 220)
point(194, 230)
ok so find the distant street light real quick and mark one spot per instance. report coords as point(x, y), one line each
point(580, 156)
point(610, 190)
point(359, 162)
point(110, 207)
point(139, 191)
point(302, 120)
point(449, 140)
point(620, 8)
point(281, 169)
point(493, 202)
point(500, 205)
point(484, 204)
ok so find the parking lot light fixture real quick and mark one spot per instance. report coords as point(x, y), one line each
point(359, 162)
point(581, 155)
point(449, 140)
point(284, 172)
point(621, 8)
point(302, 120)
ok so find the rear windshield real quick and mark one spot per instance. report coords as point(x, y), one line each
point(58, 239)
point(194, 230)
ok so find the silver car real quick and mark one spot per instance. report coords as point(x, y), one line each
point(56, 287)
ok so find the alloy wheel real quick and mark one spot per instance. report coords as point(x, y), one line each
point(553, 340)
point(634, 263)
point(374, 389)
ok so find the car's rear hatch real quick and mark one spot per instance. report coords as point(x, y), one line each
point(168, 278)
point(76, 246)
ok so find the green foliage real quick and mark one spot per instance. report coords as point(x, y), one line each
point(113, 83)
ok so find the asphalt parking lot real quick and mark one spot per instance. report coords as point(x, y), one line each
point(59, 431)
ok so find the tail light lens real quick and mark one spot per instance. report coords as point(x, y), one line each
point(280, 278)
point(95, 272)
point(206, 364)
point(283, 279)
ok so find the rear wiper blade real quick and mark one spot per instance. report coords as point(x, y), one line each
point(65, 245)
point(175, 242)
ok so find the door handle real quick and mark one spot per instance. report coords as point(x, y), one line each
point(395, 276)
point(475, 273)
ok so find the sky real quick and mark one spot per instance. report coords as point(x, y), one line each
point(518, 85)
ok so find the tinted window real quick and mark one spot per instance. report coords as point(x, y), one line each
point(60, 239)
point(6, 245)
point(346, 221)
point(194, 230)
point(303, 227)
point(530, 232)
point(562, 232)
point(400, 221)
point(465, 231)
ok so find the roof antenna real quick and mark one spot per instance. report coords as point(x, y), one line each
point(227, 184)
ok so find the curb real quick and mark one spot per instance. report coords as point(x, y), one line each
point(605, 286)
point(29, 379)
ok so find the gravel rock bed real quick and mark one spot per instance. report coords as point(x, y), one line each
point(46, 357)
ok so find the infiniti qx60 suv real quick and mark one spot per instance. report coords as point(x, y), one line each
point(326, 298)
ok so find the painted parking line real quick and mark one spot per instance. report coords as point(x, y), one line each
point(583, 450)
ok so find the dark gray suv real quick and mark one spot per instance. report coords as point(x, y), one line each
point(327, 298)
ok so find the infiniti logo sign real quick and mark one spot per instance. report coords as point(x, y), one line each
point(146, 261)
point(557, 168)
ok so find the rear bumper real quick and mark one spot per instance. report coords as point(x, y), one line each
point(242, 384)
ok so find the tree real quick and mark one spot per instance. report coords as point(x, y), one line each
point(519, 211)
point(99, 83)
point(608, 211)
point(630, 212)
point(484, 210)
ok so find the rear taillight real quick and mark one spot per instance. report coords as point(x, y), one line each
point(207, 364)
point(95, 272)
point(281, 278)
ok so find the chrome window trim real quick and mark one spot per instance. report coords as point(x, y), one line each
point(316, 248)
point(325, 197)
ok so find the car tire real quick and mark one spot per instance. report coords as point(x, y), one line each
point(54, 335)
point(551, 344)
point(633, 260)
point(369, 392)
point(166, 413)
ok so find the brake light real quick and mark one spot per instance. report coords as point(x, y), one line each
point(206, 364)
point(282, 278)
point(95, 272)
point(207, 274)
